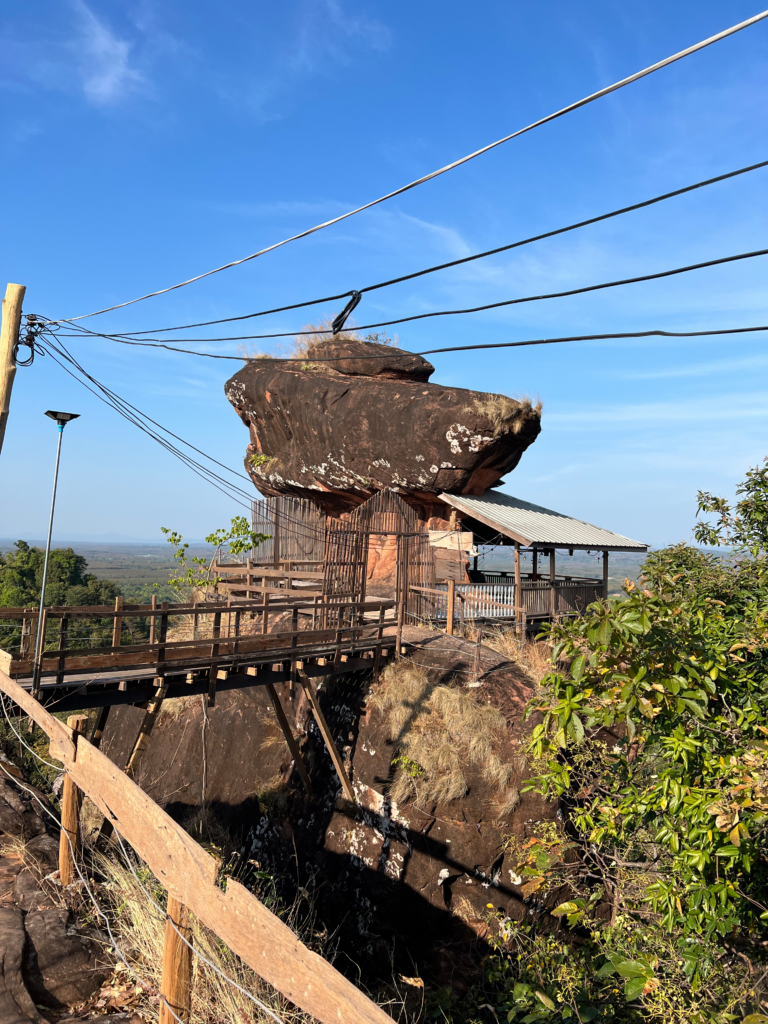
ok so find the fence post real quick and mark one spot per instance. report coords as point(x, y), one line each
point(478, 649)
point(399, 633)
point(69, 837)
point(450, 613)
point(176, 983)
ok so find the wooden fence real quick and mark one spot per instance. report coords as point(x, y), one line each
point(540, 599)
point(189, 874)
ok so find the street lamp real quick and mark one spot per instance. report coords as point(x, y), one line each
point(62, 418)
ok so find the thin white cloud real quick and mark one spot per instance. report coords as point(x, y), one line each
point(700, 369)
point(104, 59)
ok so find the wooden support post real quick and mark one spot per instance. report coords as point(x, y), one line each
point(152, 620)
point(214, 663)
point(478, 652)
point(117, 628)
point(518, 591)
point(9, 335)
point(148, 724)
point(195, 623)
point(293, 746)
point(69, 837)
point(99, 726)
point(265, 613)
point(451, 609)
point(552, 585)
point(399, 632)
point(325, 732)
point(176, 983)
point(26, 637)
point(37, 671)
point(535, 564)
point(377, 655)
point(63, 636)
point(605, 574)
point(294, 644)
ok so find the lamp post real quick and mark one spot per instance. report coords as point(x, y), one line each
point(62, 418)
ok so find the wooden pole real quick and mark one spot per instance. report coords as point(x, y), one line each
point(117, 628)
point(325, 732)
point(176, 983)
point(290, 739)
point(518, 591)
point(153, 618)
point(451, 610)
point(147, 725)
point(605, 574)
point(69, 837)
point(552, 587)
point(478, 652)
point(9, 335)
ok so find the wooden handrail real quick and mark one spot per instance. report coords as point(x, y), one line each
point(189, 874)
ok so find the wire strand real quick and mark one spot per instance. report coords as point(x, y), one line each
point(449, 167)
point(465, 259)
point(268, 360)
point(658, 275)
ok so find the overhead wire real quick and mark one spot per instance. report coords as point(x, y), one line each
point(448, 167)
point(584, 289)
point(614, 335)
point(464, 259)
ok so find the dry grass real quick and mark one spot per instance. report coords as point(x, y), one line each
point(438, 732)
point(140, 927)
point(534, 657)
point(301, 346)
point(507, 415)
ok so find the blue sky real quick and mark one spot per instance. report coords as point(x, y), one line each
point(146, 142)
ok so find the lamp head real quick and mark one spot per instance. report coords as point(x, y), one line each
point(62, 418)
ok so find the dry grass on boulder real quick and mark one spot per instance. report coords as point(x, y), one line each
point(438, 732)
point(507, 415)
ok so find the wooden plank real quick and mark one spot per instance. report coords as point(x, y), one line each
point(325, 732)
point(293, 746)
point(230, 588)
point(250, 930)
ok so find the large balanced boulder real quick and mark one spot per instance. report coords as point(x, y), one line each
point(339, 435)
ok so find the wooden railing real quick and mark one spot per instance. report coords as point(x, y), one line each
point(540, 599)
point(189, 874)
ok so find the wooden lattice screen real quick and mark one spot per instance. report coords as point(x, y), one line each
point(295, 526)
point(344, 569)
point(385, 513)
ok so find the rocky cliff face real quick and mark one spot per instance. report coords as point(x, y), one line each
point(413, 872)
point(337, 432)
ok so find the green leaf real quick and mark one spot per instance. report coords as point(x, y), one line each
point(544, 998)
point(634, 988)
point(565, 908)
point(755, 1018)
point(577, 667)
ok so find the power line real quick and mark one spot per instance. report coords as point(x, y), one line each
point(464, 259)
point(449, 167)
point(471, 348)
point(156, 343)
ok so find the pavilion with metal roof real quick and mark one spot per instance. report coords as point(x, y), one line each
point(495, 518)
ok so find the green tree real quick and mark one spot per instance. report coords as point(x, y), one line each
point(654, 738)
point(195, 573)
point(68, 583)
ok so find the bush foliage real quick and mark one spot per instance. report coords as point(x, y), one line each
point(653, 735)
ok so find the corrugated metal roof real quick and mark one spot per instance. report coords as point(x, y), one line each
point(535, 526)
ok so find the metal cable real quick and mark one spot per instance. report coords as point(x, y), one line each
point(465, 259)
point(158, 343)
point(456, 163)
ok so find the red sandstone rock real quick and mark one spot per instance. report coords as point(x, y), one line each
point(337, 438)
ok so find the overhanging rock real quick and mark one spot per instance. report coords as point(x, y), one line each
point(339, 437)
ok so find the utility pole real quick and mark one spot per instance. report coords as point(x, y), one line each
point(9, 335)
